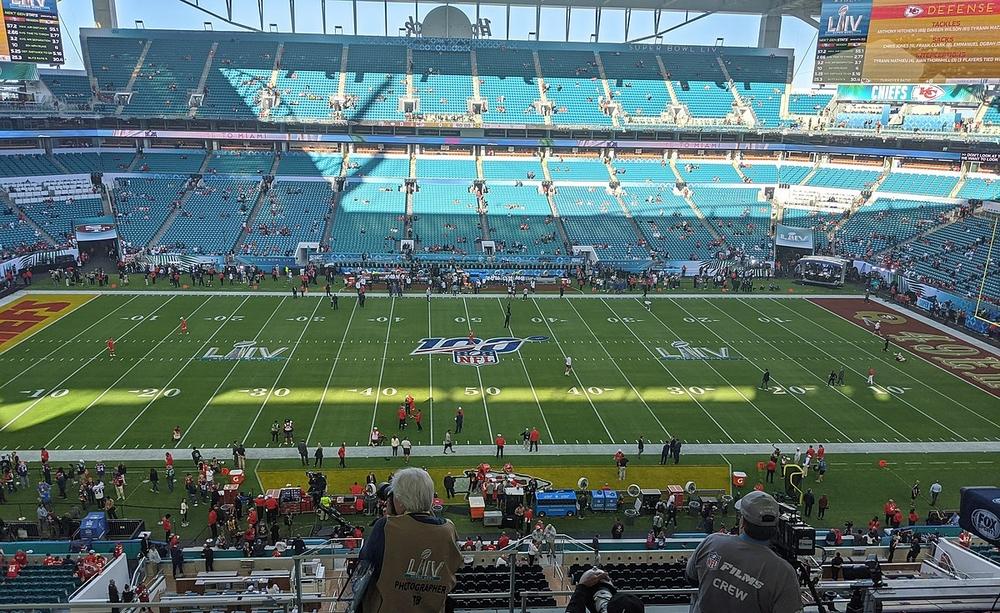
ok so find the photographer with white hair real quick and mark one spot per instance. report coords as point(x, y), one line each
point(409, 561)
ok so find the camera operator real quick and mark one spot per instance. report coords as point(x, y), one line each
point(740, 574)
point(595, 593)
point(409, 561)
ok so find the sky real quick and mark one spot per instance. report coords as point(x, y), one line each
point(736, 30)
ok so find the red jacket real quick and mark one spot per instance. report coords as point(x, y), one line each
point(342, 452)
point(500, 441)
point(213, 517)
point(533, 436)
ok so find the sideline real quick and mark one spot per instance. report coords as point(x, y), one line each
point(517, 451)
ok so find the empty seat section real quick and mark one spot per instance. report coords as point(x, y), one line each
point(239, 73)
point(143, 204)
point(443, 82)
point(112, 61)
point(520, 220)
point(574, 87)
point(98, 161)
point(370, 218)
point(886, 222)
point(169, 75)
point(636, 83)
point(983, 188)
point(701, 85)
point(292, 212)
point(378, 166)
point(240, 163)
point(643, 170)
point(69, 90)
point(445, 219)
point(578, 169)
point(765, 100)
point(919, 183)
point(508, 81)
point(178, 162)
point(738, 216)
point(451, 167)
point(954, 256)
point(376, 78)
point(310, 164)
point(592, 217)
point(698, 171)
point(516, 169)
point(213, 216)
point(844, 178)
point(668, 223)
point(808, 104)
point(27, 165)
point(761, 172)
point(309, 75)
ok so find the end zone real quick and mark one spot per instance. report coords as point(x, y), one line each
point(948, 352)
point(23, 317)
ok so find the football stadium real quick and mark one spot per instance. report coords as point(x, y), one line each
point(609, 306)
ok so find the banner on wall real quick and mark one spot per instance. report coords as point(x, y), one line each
point(796, 238)
point(970, 95)
point(95, 228)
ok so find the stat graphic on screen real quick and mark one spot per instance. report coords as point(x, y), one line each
point(30, 32)
point(894, 41)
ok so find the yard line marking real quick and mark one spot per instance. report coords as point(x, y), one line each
point(329, 378)
point(228, 374)
point(430, 376)
point(170, 333)
point(775, 347)
point(288, 360)
point(177, 374)
point(82, 366)
point(859, 373)
point(627, 380)
point(672, 375)
point(64, 344)
point(528, 377)
point(479, 374)
point(575, 376)
point(381, 370)
point(754, 363)
point(891, 365)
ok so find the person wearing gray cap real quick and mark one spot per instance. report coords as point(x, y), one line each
point(740, 574)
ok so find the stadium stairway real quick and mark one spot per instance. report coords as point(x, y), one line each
point(640, 238)
point(200, 89)
point(258, 202)
point(158, 235)
point(961, 181)
point(563, 235)
point(805, 180)
point(739, 171)
point(541, 86)
point(58, 164)
point(731, 85)
point(135, 73)
point(272, 81)
point(605, 86)
point(18, 213)
point(667, 80)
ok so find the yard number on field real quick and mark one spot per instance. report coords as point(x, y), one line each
point(551, 320)
point(773, 320)
point(490, 391)
point(153, 392)
point(263, 391)
point(58, 393)
point(381, 320)
point(306, 318)
point(369, 391)
point(693, 390)
point(141, 317)
point(225, 318)
point(778, 390)
point(887, 389)
point(593, 391)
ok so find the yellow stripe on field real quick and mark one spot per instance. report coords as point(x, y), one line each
point(26, 316)
point(562, 477)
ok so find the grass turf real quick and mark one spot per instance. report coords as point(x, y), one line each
point(855, 484)
point(343, 371)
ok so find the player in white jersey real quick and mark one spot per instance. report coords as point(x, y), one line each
point(569, 365)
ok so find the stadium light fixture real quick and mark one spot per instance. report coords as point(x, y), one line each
point(207, 25)
point(535, 34)
point(658, 40)
point(338, 29)
point(720, 42)
point(273, 27)
point(140, 24)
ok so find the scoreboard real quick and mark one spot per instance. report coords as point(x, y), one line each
point(29, 32)
point(896, 41)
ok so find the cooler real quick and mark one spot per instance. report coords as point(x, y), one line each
point(229, 493)
point(93, 526)
point(492, 518)
point(477, 507)
point(236, 476)
point(739, 479)
point(677, 492)
point(649, 498)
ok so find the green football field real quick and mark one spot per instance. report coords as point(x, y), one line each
point(250, 360)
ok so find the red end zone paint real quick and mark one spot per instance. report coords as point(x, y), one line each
point(23, 317)
point(968, 362)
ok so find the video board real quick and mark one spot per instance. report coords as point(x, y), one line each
point(30, 32)
point(895, 41)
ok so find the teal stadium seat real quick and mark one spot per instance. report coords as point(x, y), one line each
point(445, 219)
point(213, 216)
point(309, 75)
point(240, 71)
point(293, 212)
point(143, 204)
point(442, 80)
point(508, 81)
point(520, 220)
point(370, 218)
point(169, 75)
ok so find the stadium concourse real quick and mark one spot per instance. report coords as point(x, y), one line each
point(248, 275)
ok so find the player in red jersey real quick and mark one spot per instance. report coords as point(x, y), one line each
point(184, 326)
point(472, 337)
point(111, 347)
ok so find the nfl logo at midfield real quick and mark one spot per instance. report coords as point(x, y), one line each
point(474, 351)
point(475, 357)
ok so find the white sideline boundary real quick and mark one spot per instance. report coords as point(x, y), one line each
point(419, 295)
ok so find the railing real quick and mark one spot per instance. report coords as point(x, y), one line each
point(688, 591)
